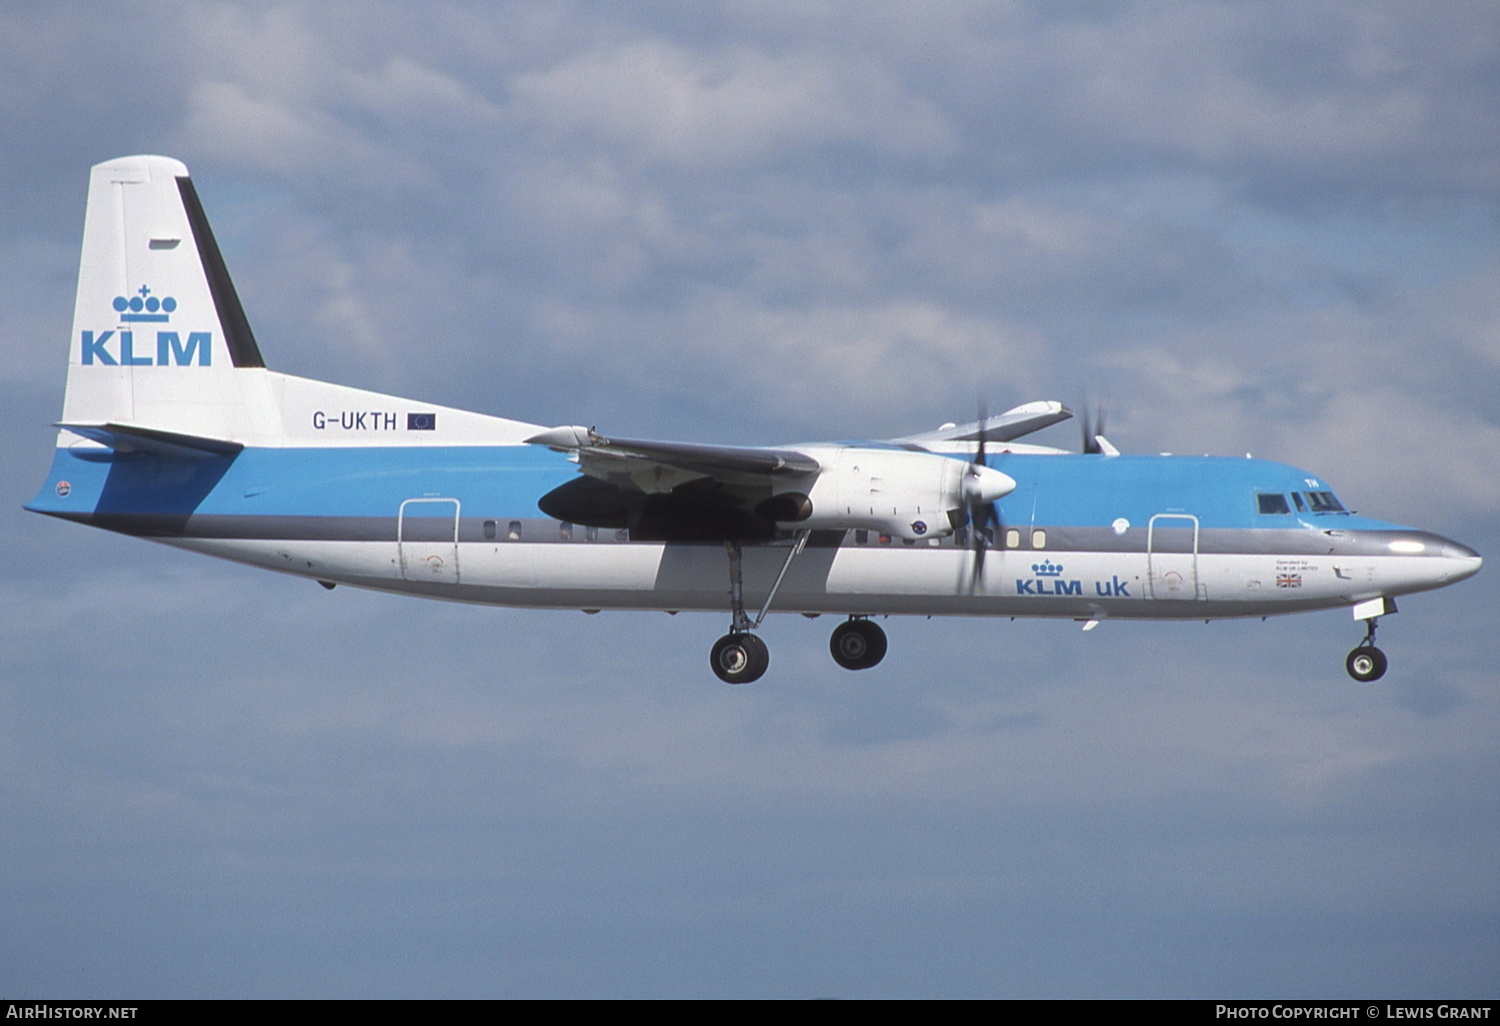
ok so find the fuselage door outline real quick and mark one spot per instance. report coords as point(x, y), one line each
point(1171, 568)
point(427, 540)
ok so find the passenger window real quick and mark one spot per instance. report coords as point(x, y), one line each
point(1039, 539)
point(1272, 502)
point(885, 539)
point(514, 531)
point(489, 530)
point(861, 537)
point(565, 531)
point(1012, 538)
point(592, 534)
point(623, 534)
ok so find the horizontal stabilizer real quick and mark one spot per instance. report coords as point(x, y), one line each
point(172, 444)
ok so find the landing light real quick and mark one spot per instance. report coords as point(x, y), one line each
point(1407, 548)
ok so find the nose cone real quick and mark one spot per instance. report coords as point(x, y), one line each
point(1463, 562)
point(985, 484)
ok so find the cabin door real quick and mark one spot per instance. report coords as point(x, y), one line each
point(1172, 557)
point(427, 535)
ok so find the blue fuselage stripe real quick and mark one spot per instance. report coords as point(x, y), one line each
point(506, 482)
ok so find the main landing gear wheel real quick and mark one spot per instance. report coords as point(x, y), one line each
point(739, 658)
point(1366, 663)
point(857, 644)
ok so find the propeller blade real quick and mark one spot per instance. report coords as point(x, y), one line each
point(985, 515)
point(979, 455)
point(984, 487)
point(1091, 423)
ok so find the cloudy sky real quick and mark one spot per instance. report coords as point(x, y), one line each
point(1249, 226)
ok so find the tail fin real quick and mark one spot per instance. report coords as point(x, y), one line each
point(166, 386)
point(160, 341)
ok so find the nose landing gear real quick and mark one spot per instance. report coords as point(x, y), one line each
point(1366, 663)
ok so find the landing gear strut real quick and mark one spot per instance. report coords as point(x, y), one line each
point(740, 657)
point(1366, 662)
point(857, 644)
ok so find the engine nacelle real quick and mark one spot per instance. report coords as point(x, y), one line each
point(891, 491)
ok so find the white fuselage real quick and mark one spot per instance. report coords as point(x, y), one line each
point(871, 579)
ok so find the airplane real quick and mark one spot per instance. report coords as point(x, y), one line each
point(174, 429)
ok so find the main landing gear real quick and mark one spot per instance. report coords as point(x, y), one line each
point(1366, 662)
point(857, 644)
point(740, 657)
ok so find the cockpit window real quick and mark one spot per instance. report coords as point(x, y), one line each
point(1297, 499)
point(1272, 502)
point(1324, 502)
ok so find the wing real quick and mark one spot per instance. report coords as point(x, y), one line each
point(678, 491)
point(662, 466)
point(659, 467)
point(1012, 424)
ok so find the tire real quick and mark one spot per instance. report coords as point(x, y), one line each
point(739, 658)
point(857, 644)
point(1366, 663)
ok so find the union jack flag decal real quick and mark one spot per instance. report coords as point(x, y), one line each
point(1289, 580)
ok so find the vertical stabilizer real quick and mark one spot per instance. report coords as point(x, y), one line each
point(159, 340)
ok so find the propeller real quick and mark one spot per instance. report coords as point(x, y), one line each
point(982, 487)
point(1091, 423)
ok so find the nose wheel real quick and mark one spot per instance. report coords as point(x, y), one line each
point(1366, 662)
point(857, 644)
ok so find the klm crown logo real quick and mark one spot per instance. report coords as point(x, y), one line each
point(121, 348)
point(145, 307)
point(1048, 581)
